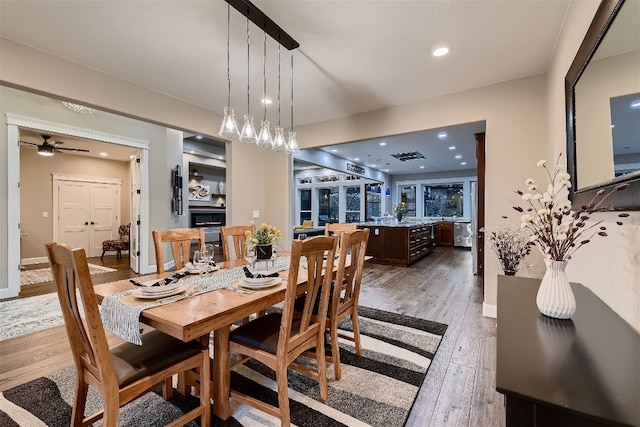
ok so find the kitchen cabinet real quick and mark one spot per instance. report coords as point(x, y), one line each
point(400, 245)
point(444, 233)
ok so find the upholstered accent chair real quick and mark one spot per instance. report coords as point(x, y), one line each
point(118, 245)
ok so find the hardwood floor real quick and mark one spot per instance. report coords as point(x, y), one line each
point(459, 389)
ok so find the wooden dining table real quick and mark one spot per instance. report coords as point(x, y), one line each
point(193, 318)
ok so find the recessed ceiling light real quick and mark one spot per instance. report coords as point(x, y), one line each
point(198, 136)
point(383, 144)
point(452, 147)
point(612, 126)
point(422, 167)
point(458, 156)
point(635, 104)
point(104, 154)
point(266, 101)
point(355, 159)
point(441, 51)
point(334, 150)
point(442, 135)
point(463, 163)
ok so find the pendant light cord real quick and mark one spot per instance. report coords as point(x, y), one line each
point(228, 55)
point(278, 84)
point(248, 68)
point(264, 77)
point(292, 91)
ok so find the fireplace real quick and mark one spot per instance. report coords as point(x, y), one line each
point(209, 219)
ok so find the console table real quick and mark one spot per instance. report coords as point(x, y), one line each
point(580, 372)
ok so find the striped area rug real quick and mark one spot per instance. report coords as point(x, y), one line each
point(376, 389)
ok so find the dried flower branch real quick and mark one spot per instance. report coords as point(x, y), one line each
point(555, 228)
point(511, 246)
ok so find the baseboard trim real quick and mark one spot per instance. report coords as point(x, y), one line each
point(489, 310)
point(38, 260)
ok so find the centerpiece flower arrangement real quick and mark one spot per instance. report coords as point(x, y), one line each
point(264, 234)
point(399, 209)
point(263, 237)
point(511, 246)
point(559, 231)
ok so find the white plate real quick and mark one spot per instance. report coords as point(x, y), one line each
point(189, 268)
point(161, 292)
point(259, 281)
point(274, 281)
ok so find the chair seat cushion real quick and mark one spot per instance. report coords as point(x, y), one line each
point(262, 333)
point(158, 350)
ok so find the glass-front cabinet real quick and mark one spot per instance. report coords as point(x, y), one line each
point(352, 211)
point(443, 200)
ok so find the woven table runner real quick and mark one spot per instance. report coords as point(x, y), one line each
point(122, 318)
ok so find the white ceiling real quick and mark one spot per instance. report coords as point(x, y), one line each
point(354, 56)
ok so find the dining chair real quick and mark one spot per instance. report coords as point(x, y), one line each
point(344, 299)
point(180, 240)
point(277, 339)
point(338, 229)
point(235, 233)
point(127, 371)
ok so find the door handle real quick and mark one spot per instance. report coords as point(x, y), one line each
point(93, 223)
point(86, 223)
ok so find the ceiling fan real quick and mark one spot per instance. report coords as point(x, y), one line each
point(48, 148)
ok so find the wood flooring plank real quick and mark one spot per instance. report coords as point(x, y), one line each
point(454, 401)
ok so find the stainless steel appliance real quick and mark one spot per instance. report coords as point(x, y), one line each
point(211, 219)
point(462, 234)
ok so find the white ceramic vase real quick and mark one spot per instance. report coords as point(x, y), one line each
point(555, 297)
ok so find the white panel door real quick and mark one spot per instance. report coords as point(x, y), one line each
point(74, 207)
point(88, 213)
point(104, 221)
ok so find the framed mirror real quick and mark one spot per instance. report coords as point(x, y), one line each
point(602, 90)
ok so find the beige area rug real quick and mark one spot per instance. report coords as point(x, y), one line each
point(40, 275)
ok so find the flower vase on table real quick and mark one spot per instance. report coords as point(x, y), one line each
point(399, 216)
point(555, 297)
point(264, 251)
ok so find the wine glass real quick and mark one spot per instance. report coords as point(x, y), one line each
point(208, 249)
point(250, 255)
point(200, 261)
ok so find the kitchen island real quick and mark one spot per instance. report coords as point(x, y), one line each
point(399, 244)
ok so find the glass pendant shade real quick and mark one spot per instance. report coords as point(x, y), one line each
point(229, 127)
point(264, 139)
point(292, 143)
point(388, 192)
point(378, 189)
point(279, 141)
point(248, 133)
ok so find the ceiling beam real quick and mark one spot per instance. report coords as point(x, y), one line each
point(255, 15)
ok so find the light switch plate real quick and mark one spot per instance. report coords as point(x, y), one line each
point(45, 214)
point(256, 214)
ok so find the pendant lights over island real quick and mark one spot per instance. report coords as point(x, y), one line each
point(229, 127)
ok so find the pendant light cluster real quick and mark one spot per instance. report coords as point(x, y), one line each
point(229, 127)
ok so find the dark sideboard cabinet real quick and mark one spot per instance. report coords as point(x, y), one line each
point(582, 372)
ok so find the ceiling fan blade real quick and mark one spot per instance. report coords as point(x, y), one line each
point(71, 149)
point(28, 143)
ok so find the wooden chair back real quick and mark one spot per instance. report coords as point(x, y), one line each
point(180, 240)
point(139, 369)
point(319, 275)
point(235, 234)
point(295, 335)
point(338, 228)
point(346, 292)
point(79, 305)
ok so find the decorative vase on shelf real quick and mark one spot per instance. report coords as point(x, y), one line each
point(555, 297)
point(508, 272)
point(264, 251)
point(399, 216)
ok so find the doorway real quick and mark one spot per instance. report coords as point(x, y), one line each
point(14, 124)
